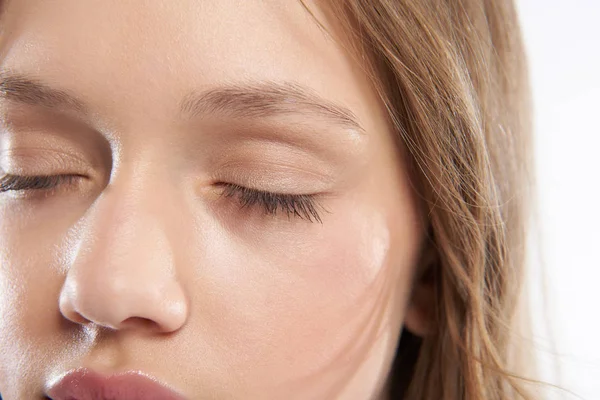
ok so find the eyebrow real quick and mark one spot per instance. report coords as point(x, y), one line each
point(242, 100)
point(267, 99)
point(23, 89)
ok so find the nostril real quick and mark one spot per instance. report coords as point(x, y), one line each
point(139, 323)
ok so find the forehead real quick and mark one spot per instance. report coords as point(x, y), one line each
point(151, 53)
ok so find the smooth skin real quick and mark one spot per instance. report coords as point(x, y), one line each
point(143, 256)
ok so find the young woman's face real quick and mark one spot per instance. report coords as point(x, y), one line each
point(227, 210)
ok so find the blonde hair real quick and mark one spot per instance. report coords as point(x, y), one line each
point(452, 75)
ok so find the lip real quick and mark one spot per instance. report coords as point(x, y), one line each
point(84, 384)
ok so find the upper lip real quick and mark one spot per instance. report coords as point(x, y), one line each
point(84, 384)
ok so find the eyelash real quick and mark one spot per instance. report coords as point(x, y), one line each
point(303, 206)
point(43, 182)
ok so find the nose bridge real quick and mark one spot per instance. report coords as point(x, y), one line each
point(123, 269)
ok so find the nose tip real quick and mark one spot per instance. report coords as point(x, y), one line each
point(124, 307)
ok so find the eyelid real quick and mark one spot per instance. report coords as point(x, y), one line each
point(274, 177)
point(35, 161)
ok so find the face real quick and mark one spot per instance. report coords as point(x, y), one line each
point(207, 192)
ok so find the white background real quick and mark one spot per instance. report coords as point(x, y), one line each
point(563, 43)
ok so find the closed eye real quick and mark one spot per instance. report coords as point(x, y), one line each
point(303, 206)
point(21, 183)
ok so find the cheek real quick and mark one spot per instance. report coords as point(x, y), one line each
point(32, 330)
point(307, 308)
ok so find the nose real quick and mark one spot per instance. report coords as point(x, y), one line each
point(121, 272)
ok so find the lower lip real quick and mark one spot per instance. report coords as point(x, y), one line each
point(88, 385)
